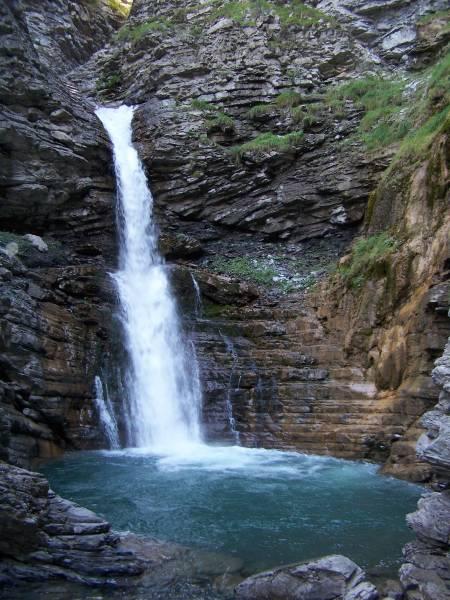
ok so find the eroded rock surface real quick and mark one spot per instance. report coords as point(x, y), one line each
point(55, 186)
point(328, 578)
point(425, 574)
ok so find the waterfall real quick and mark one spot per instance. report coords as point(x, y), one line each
point(164, 392)
point(106, 414)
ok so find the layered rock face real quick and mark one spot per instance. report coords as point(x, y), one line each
point(329, 372)
point(425, 573)
point(44, 536)
point(55, 183)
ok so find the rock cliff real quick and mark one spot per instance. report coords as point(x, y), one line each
point(252, 151)
point(258, 127)
point(55, 184)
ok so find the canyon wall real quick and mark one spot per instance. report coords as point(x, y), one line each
point(56, 184)
point(248, 158)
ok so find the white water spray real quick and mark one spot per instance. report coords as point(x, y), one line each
point(164, 391)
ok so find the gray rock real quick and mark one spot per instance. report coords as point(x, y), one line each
point(36, 241)
point(330, 578)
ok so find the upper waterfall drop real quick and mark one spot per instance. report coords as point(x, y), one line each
point(163, 386)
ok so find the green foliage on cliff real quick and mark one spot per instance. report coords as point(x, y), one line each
point(382, 101)
point(259, 109)
point(123, 8)
point(250, 269)
point(134, 33)
point(288, 99)
point(245, 12)
point(411, 111)
point(108, 83)
point(443, 15)
point(367, 259)
point(288, 102)
point(266, 142)
point(220, 121)
point(202, 105)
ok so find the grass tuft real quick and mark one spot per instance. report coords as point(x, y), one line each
point(367, 259)
point(266, 142)
point(250, 269)
point(135, 33)
point(221, 122)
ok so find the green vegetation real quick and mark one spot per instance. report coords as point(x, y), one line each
point(122, 8)
point(250, 269)
point(399, 110)
point(443, 15)
point(135, 33)
point(245, 12)
point(258, 110)
point(216, 120)
point(367, 259)
point(221, 122)
point(288, 99)
point(382, 101)
point(305, 115)
point(203, 106)
point(108, 83)
point(266, 142)
point(211, 310)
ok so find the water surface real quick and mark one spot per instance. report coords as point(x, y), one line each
point(264, 506)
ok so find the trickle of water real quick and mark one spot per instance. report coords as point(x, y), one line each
point(198, 297)
point(106, 414)
point(164, 391)
point(229, 405)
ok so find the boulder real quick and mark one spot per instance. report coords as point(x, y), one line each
point(333, 577)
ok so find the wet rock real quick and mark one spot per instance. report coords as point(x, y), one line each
point(328, 578)
point(37, 242)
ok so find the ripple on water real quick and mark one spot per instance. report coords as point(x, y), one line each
point(266, 506)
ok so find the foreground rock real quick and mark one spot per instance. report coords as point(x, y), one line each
point(44, 537)
point(330, 578)
point(425, 575)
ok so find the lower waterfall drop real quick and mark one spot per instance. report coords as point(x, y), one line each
point(163, 384)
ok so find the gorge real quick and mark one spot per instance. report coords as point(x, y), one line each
point(298, 157)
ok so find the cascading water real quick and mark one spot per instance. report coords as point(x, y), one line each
point(229, 405)
point(164, 391)
point(106, 414)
